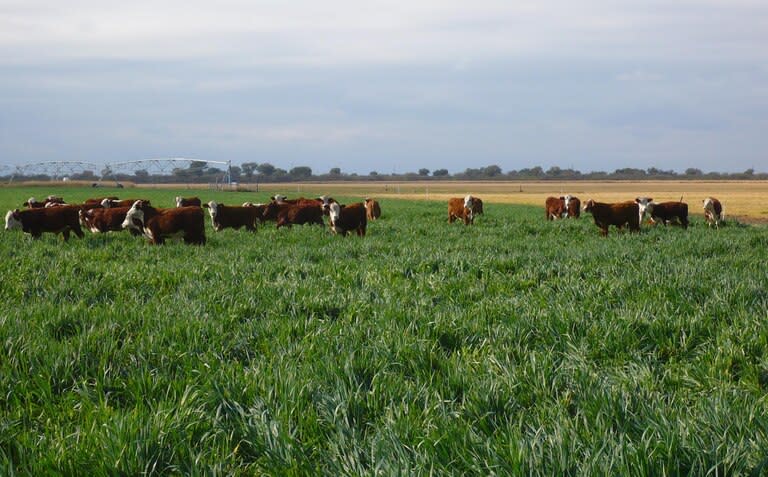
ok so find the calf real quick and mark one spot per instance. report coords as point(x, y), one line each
point(161, 224)
point(617, 214)
point(229, 216)
point(188, 202)
point(572, 206)
point(36, 221)
point(459, 208)
point(100, 220)
point(713, 211)
point(372, 209)
point(665, 212)
point(344, 219)
point(49, 201)
point(554, 207)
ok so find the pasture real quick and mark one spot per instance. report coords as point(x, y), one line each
point(514, 346)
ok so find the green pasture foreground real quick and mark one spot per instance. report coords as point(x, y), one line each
point(514, 347)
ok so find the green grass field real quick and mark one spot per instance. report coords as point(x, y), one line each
point(516, 346)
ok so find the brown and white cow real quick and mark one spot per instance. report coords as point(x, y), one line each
point(477, 206)
point(372, 209)
point(664, 212)
point(713, 211)
point(101, 220)
point(289, 214)
point(346, 218)
point(572, 206)
point(554, 208)
point(51, 200)
point(107, 203)
point(617, 214)
point(158, 225)
point(38, 220)
point(232, 216)
point(459, 208)
point(188, 202)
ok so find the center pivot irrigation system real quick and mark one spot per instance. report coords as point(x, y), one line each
point(64, 169)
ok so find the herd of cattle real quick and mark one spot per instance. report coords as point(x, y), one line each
point(631, 213)
point(186, 220)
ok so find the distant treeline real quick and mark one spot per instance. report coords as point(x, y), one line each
point(200, 172)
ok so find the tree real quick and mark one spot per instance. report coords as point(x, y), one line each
point(492, 171)
point(301, 172)
point(266, 169)
point(373, 173)
point(249, 168)
point(335, 171)
point(423, 172)
point(197, 168)
point(692, 171)
point(141, 174)
point(440, 173)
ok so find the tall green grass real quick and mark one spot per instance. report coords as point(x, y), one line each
point(515, 346)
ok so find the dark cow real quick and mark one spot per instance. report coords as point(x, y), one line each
point(100, 220)
point(49, 201)
point(36, 221)
point(477, 206)
point(231, 216)
point(572, 206)
point(161, 224)
point(459, 208)
point(664, 212)
point(618, 214)
point(344, 219)
point(188, 202)
point(289, 214)
point(96, 202)
point(554, 207)
point(713, 211)
point(108, 203)
point(372, 209)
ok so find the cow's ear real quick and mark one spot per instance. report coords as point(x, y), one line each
point(146, 202)
point(637, 199)
point(205, 206)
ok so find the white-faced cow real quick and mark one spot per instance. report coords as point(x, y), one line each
point(664, 212)
point(713, 211)
point(459, 208)
point(231, 216)
point(346, 218)
point(572, 206)
point(617, 214)
point(38, 220)
point(188, 202)
point(158, 225)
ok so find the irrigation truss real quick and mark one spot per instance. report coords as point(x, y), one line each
point(64, 169)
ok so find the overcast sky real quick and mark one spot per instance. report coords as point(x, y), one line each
point(388, 85)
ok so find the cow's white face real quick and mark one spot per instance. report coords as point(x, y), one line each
point(334, 211)
point(279, 198)
point(106, 203)
point(178, 201)
point(12, 220)
point(133, 217)
point(567, 201)
point(642, 207)
point(213, 209)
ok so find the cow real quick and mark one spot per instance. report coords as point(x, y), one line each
point(554, 207)
point(477, 206)
point(188, 202)
point(289, 214)
point(665, 212)
point(161, 224)
point(107, 203)
point(232, 216)
point(459, 208)
point(372, 209)
point(100, 220)
point(38, 220)
point(572, 206)
point(346, 218)
point(51, 200)
point(618, 214)
point(713, 211)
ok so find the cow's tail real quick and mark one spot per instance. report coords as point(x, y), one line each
point(681, 198)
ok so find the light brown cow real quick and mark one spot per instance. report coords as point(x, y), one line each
point(372, 209)
point(346, 218)
point(459, 208)
point(554, 207)
point(713, 211)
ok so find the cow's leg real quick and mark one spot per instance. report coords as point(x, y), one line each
point(65, 234)
point(78, 231)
